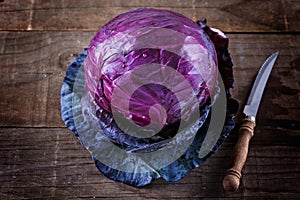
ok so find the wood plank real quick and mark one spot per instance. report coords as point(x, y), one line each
point(281, 97)
point(229, 16)
point(34, 64)
point(32, 71)
point(41, 159)
point(51, 163)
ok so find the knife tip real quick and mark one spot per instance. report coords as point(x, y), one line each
point(276, 53)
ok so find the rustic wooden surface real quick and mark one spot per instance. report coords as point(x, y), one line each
point(40, 158)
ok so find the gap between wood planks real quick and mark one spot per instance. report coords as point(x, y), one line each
point(252, 16)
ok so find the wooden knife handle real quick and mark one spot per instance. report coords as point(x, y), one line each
point(231, 181)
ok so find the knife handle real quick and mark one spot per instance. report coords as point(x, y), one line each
point(231, 181)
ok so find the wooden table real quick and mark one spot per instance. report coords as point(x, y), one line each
point(40, 157)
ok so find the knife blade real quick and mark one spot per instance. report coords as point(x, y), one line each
point(250, 109)
point(246, 131)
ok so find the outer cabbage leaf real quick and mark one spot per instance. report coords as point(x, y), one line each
point(95, 73)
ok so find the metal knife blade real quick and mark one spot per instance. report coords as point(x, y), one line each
point(251, 107)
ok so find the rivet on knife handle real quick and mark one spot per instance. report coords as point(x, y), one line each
point(231, 181)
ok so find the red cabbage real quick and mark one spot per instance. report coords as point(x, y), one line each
point(146, 36)
point(154, 41)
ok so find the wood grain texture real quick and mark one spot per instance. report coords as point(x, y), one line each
point(34, 64)
point(33, 67)
point(90, 15)
point(56, 166)
point(41, 159)
point(231, 181)
point(50, 162)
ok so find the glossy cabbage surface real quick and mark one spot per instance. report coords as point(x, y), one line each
point(149, 36)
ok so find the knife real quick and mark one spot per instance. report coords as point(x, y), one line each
point(246, 131)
